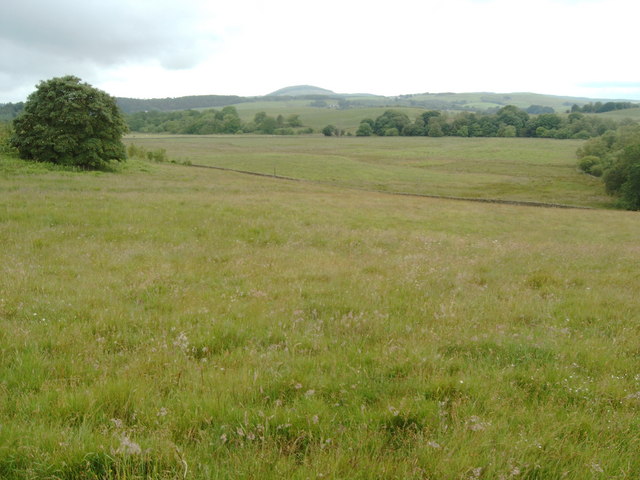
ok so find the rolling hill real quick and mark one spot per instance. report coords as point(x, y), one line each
point(299, 90)
point(313, 96)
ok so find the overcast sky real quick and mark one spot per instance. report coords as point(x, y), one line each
point(170, 48)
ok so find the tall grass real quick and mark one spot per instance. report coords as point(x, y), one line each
point(188, 323)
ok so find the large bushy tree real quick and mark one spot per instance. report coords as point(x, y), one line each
point(68, 122)
point(615, 156)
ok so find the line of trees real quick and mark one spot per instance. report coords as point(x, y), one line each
point(207, 122)
point(509, 121)
point(600, 107)
point(9, 111)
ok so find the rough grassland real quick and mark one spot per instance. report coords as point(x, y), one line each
point(520, 169)
point(169, 322)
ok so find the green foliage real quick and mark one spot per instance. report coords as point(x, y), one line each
point(208, 122)
point(587, 164)
point(623, 178)
point(508, 131)
point(365, 129)
point(6, 133)
point(435, 126)
point(599, 107)
point(133, 105)
point(391, 123)
point(264, 123)
point(293, 120)
point(616, 157)
point(538, 109)
point(509, 121)
point(70, 123)
point(156, 155)
point(9, 111)
point(330, 130)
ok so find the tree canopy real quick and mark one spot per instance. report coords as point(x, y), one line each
point(68, 122)
point(508, 121)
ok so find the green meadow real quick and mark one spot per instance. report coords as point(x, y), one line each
point(536, 170)
point(318, 118)
point(162, 321)
point(628, 113)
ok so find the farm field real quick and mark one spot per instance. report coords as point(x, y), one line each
point(538, 170)
point(631, 113)
point(317, 118)
point(170, 322)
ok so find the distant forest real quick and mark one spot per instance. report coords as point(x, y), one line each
point(9, 111)
point(132, 105)
point(509, 121)
point(212, 121)
point(600, 107)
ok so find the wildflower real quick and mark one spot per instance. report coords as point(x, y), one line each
point(315, 419)
point(596, 468)
point(475, 424)
point(162, 412)
point(394, 411)
point(128, 447)
point(633, 396)
point(476, 472)
point(182, 342)
point(223, 438)
point(309, 393)
point(433, 444)
point(117, 422)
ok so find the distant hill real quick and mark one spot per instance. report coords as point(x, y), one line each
point(131, 105)
point(317, 97)
point(301, 90)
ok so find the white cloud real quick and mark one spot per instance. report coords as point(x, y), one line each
point(250, 47)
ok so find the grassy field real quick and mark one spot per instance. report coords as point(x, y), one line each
point(632, 113)
point(318, 118)
point(169, 322)
point(509, 169)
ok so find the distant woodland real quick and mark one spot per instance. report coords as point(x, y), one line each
point(600, 107)
point(509, 121)
point(212, 121)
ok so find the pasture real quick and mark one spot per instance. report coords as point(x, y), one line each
point(169, 322)
point(537, 170)
point(317, 118)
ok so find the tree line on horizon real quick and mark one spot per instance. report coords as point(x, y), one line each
point(509, 121)
point(212, 121)
point(600, 107)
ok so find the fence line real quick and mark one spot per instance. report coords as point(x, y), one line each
point(520, 203)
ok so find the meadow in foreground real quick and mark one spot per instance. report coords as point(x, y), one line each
point(172, 322)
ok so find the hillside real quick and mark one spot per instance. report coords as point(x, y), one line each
point(299, 90)
point(312, 99)
point(322, 98)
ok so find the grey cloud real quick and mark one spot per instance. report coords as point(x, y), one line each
point(41, 38)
